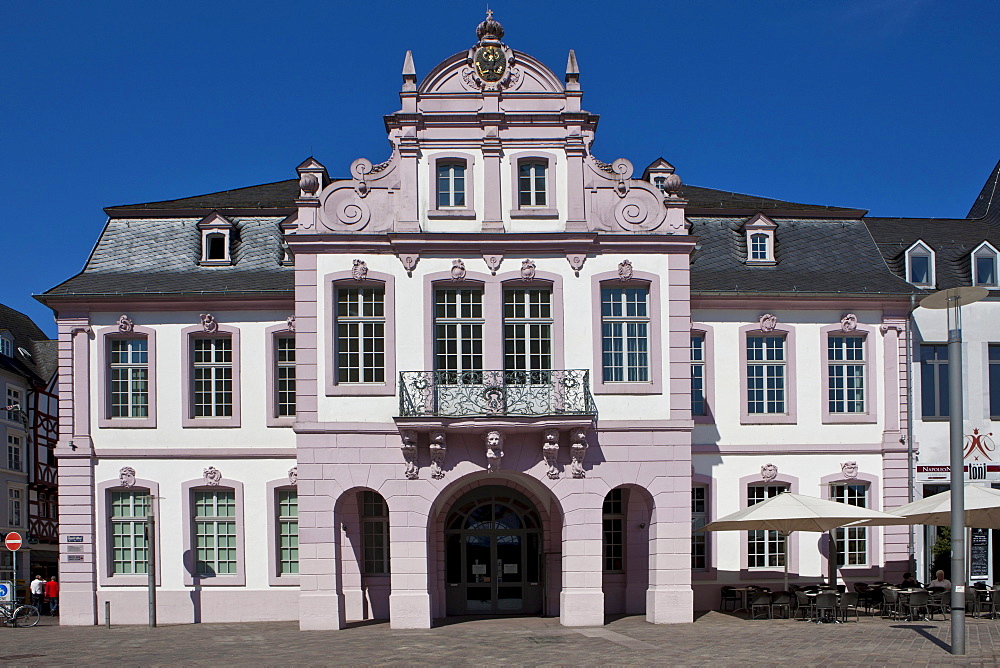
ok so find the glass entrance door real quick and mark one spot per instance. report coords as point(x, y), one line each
point(494, 556)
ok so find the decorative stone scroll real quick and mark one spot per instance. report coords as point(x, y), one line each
point(493, 262)
point(293, 475)
point(439, 448)
point(409, 261)
point(213, 476)
point(768, 322)
point(576, 261)
point(458, 270)
point(849, 322)
point(494, 450)
point(550, 452)
point(577, 451)
point(125, 324)
point(768, 472)
point(208, 323)
point(625, 270)
point(409, 450)
point(850, 470)
point(527, 270)
point(127, 476)
point(359, 271)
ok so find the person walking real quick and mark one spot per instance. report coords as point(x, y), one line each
point(52, 596)
point(37, 592)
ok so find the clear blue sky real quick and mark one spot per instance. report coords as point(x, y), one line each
point(885, 105)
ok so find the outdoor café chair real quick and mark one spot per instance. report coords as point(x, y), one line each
point(805, 606)
point(826, 602)
point(760, 600)
point(849, 602)
point(916, 602)
point(779, 600)
point(729, 595)
point(938, 601)
point(987, 602)
point(971, 602)
point(890, 603)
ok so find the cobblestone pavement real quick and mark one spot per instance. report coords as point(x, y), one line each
point(714, 639)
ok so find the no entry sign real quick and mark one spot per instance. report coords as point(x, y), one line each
point(13, 541)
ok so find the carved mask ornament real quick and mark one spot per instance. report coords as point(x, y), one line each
point(127, 476)
point(208, 323)
point(359, 271)
point(293, 475)
point(768, 322)
point(125, 324)
point(458, 270)
point(625, 270)
point(768, 472)
point(213, 476)
point(849, 322)
point(527, 270)
point(850, 469)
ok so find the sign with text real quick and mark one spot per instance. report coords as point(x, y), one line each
point(74, 539)
point(979, 554)
point(974, 471)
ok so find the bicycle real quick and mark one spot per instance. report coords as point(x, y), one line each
point(14, 615)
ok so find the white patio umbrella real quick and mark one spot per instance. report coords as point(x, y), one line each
point(787, 513)
point(982, 510)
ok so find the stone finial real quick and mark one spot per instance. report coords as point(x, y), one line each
point(768, 472)
point(125, 324)
point(126, 476)
point(409, 73)
point(768, 322)
point(438, 448)
point(578, 450)
point(494, 450)
point(489, 30)
point(308, 183)
point(572, 68)
point(409, 450)
point(550, 452)
point(849, 322)
point(850, 470)
point(213, 476)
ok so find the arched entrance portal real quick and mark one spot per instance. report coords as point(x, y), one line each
point(493, 556)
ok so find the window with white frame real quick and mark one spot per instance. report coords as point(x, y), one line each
point(360, 324)
point(760, 233)
point(625, 334)
point(6, 345)
point(852, 542)
point(766, 375)
point(531, 179)
point(920, 265)
point(212, 374)
point(284, 375)
point(661, 183)
point(934, 397)
point(14, 399)
point(14, 498)
point(984, 266)
point(846, 372)
point(288, 531)
point(215, 532)
point(994, 372)
point(699, 518)
point(450, 185)
point(375, 533)
point(698, 404)
point(765, 549)
point(129, 511)
point(13, 452)
point(527, 332)
point(760, 247)
point(613, 519)
point(458, 334)
point(129, 377)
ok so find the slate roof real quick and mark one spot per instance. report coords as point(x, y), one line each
point(42, 362)
point(987, 205)
point(705, 200)
point(951, 239)
point(279, 196)
point(159, 257)
point(830, 256)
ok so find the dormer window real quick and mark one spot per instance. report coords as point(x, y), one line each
point(984, 266)
point(661, 183)
point(759, 232)
point(216, 240)
point(6, 344)
point(920, 265)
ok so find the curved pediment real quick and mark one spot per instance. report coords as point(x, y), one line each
point(455, 75)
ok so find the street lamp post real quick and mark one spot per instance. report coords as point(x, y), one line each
point(953, 300)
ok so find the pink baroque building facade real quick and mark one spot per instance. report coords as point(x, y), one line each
point(489, 375)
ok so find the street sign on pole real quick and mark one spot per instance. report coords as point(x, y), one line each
point(13, 541)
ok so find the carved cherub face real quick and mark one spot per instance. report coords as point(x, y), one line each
point(493, 440)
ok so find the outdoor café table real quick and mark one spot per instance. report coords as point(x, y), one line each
point(743, 592)
point(904, 598)
point(988, 599)
point(811, 595)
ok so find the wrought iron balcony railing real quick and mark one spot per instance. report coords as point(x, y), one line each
point(495, 393)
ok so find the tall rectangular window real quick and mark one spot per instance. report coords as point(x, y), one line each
point(625, 334)
point(766, 374)
point(13, 452)
point(129, 546)
point(527, 330)
point(361, 335)
point(288, 532)
point(765, 549)
point(458, 334)
point(613, 517)
point(698, 374)
point(934, 380)
point(994, 364)
point(6, 346)
point(129, 371)
point(852, 542)
point(699, 518)
point(13, 507)
point(215, 532)
point(213, 377)
point(375, 530)
point(846, 369)
point(284, 360)
point(531, 184)
point(450, 185)
point(14, 399)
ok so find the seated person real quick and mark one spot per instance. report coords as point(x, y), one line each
point(940, 581)
point(909, 582)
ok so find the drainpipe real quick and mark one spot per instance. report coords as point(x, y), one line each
point(908, 437)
